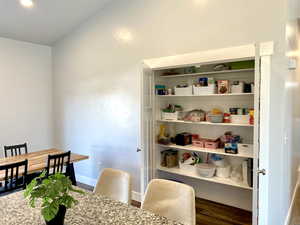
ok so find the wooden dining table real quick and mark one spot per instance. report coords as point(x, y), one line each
point(37, 161)
point(92, 209)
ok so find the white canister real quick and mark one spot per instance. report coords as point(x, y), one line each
point(223, 172)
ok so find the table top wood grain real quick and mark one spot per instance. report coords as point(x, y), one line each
point(37, 161)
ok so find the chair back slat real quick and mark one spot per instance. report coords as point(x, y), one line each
point(14, 150)
point(15, 176)
point(57, 163)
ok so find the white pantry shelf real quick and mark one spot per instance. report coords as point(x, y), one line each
point(209, 73)
point(192, 174)
point(206, 123)
point(208, 95)
point(219, 151)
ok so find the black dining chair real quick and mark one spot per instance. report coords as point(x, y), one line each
point(15, 176)
point(60, 163)
point(15, 150)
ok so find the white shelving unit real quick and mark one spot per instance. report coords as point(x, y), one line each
point(205, 129)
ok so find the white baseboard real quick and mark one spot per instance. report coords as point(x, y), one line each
point(136, 196)
point(291, 208)
point(289, 214)
point(86, 180)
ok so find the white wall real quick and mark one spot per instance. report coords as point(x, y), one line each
point(25, 94)
point(97, 68)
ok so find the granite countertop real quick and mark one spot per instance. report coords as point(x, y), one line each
point(91, 210)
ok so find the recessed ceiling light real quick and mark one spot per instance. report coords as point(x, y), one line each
point(27, 3)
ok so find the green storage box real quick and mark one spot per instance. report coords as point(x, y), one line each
point(242, 65)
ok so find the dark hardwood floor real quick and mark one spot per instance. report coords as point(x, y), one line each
point(210, 213)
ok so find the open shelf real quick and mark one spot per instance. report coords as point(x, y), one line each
point(208, 95)
point(209, 73)
point(225, 181)
point(205, 123)
point(219, 151)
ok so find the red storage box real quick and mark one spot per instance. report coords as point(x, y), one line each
point(199, 143)
point(211, 144)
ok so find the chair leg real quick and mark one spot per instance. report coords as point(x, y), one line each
point(72, 174)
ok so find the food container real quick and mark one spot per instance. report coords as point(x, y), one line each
point(184, 91)
point(183, 139)
point(223, 172)
point(212, 144)
point(169, 116)
point(208, 90)
point(187, 167)
point(223, 86)
point(206, 170)
point(218, 118)
point(240, 119)
point(237, 87)
point(169, 158)
point(199, 143)
point(219, 163)
point(245, 149)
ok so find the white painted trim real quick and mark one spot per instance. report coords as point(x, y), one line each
point(289, 213)
point(267, 48)
point(196, 58)
point(264, 138)
point(136, 196)
point(86, 180)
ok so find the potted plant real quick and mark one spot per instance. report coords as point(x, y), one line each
point(54, 192)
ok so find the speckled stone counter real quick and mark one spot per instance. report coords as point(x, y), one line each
point(91, 210)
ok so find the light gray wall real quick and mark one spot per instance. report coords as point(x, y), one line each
point(25, 95)
point(97, 68)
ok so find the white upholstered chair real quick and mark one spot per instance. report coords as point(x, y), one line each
point(171, 199)
point(115, 184)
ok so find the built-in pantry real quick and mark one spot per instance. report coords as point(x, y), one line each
point(201, 122)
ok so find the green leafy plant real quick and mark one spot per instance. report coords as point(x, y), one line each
point(53, 192)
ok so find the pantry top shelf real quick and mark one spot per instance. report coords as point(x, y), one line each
point(206, 123)
point(219, 151)
point(208, 95)
point(209, 73)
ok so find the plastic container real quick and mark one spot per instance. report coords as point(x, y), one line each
point(245, 149)
point(187, 167)
point(184, 91)
point(223, 172)
point(219, 163)
point(240, 119)
point(169, 116)
point(209, 90)
point(238, 88)
point(216, 118)
point(205, 170)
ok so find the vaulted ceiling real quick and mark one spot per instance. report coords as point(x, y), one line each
point(47, 22)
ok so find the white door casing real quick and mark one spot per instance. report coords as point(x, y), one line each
point(266, 52)
point(146, 125)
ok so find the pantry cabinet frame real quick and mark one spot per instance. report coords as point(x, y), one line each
point(262, 53)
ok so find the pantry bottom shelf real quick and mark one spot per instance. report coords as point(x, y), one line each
point(191, 174)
